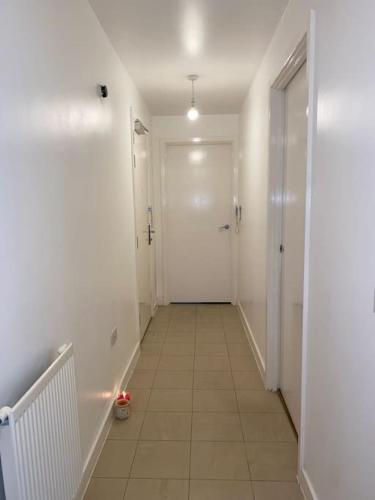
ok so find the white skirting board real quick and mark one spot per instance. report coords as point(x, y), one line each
point(250, 337)
point(105, 428)
point(306, 486)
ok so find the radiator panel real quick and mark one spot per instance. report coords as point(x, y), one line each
point(40, 446)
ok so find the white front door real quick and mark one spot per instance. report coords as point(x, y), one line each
point(142, 222)
point(293, 243)
point(198, 217)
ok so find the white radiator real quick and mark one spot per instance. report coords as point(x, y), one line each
point(39, 437)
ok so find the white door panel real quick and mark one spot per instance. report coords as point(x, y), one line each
point(199, 201)
point(142, 220)
point(293, 243)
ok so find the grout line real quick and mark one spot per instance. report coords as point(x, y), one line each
point(200, 479)
point(192, 399)
point(239, 416)
point(201, 440)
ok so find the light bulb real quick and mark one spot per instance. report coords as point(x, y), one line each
point(193, 113)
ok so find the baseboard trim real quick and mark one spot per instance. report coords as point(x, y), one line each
point(306, 486)
point(154, 308)
point(250, 337)
point(105, 427)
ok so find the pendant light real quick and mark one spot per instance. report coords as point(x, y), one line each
point(193, 113)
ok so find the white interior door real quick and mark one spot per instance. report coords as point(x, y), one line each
point(198, 223)
point(143, 222)
point(293, 242)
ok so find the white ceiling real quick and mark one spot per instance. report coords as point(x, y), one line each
point(162, 41)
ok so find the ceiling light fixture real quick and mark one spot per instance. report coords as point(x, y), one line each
point(193, 113)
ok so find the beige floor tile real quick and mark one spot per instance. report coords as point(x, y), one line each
point(272, 461)
point(170, 400)
point(247, 380)
point(243, 363)
point(209, 308)
point(154, 337)
point(209, 327)
point(229, 315)
point(273, 490)
point(212, 337)
point(216, 427)
point(211, 349)
point(127, 429)
point(206, 401)
point(147, 362)
point(212, 363)
point(173, 379)
point(106, 489)
point(176, 363)
point(161, 426)
point(259, 402)
point(213, 380)
point(157, 489)
point(140, 399)
point(151, 348)
point(162, 459)
point(183, 338)
point(232, 325)
point(116, 459)
point(183, 317)
point(162, 314)
point(185, 326)
point(178, 349)
point(161, 322)
point(160, 326)
point(206, 327)
point(214, 460)
point(267, 427)
point(236, 338)
point(162, 311)
point(208, 317)
point(220, 490)
point(239, 350)
point(142, 379)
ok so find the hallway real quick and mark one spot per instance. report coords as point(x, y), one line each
point(199, 413)
point(187, 207)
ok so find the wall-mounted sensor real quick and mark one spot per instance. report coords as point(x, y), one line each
point(103, 90)
point(139, 128)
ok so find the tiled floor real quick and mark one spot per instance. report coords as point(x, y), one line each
point(202, 427)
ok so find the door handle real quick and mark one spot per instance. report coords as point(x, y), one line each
point(226, 227)
point(149, 233)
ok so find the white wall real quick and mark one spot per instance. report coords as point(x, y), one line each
point(179, 128)
point(253, 174)
point(341, 369)
point(66, 219)
point(338, 457)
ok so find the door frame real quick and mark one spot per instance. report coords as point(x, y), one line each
point(163, 146)
point(304, 52)
point(275, 210)
point(149, 201)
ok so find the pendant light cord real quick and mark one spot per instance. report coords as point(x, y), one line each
point(192, 94)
